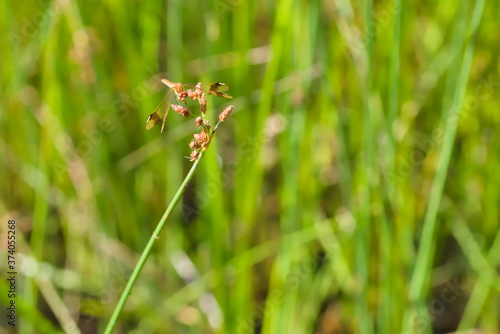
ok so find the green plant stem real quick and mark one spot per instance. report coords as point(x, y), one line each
point(147, 250)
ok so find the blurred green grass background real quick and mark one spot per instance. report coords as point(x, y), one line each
point(354, 189)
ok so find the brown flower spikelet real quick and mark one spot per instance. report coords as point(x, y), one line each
point(194, 155)
point(201, 137)
point(225, 113)
point(181, 110)
point(198, 121)
point(193, 94)
point(203, 104)
point(199, 89)
point(206, 124)
point(194, 145)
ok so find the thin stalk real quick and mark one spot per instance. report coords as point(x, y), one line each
point(423, 265)
point(147, 250)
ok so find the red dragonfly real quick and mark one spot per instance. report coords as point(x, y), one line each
point(177, 90)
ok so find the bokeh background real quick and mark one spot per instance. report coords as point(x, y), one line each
point(355, 189)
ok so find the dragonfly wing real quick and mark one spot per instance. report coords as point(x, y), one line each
point(152, 120)
point(224, 95)
point(161, 111)
point(217, 89)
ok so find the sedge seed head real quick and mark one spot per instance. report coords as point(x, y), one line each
point(201, 137)
point(199, 88)
point(193, 94)
point(198, 121)
point(181, 110)
point(203, 104)
point(194, 155)
point(225, 113)
point(194, 145)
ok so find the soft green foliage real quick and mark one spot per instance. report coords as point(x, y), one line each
point(353, 190)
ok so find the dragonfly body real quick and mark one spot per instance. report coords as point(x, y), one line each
point(177, 90)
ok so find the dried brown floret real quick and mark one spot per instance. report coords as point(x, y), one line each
point(198, 121)
point(201, 137)
point(225, 113)
point(199, 88)
point(194, 155)
point(193, 94)
point(207, 124)
point(181, 110)
point(194, 145)
point(203, 104)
